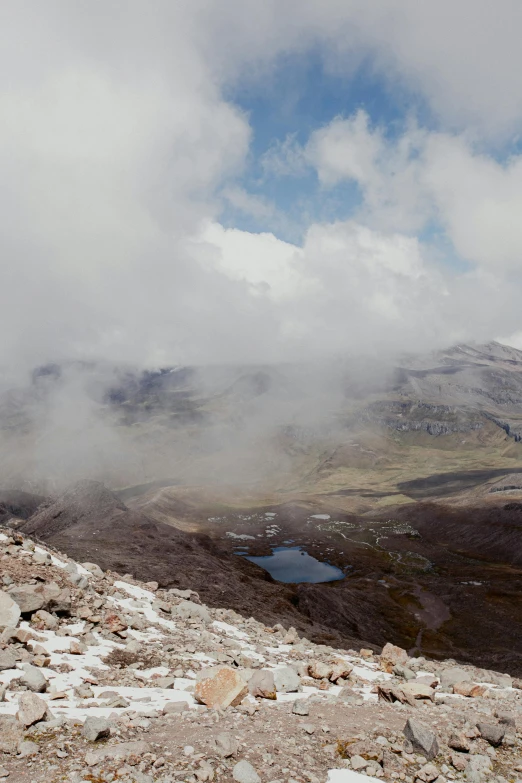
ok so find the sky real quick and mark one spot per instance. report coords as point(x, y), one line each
point(202, 182)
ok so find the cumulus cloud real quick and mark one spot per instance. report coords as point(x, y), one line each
point(118, 144)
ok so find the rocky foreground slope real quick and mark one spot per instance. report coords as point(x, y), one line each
point(103, 678)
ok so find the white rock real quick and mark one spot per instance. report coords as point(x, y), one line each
point(244, 772)
point(9, 611)
point(34, 679)
point(286, 680)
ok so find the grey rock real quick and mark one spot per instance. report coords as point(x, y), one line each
point(79, 581)
point(31, 709)
point(350, 696)
point(357, 762)
point(28, 597)
point(175, 707)
point(7, 660)
point(45, 620)
point(477, 768)
point(492, 733)
point(86, 692)
point(422, 738)
point(459, 742)
point(34, 679)
point(188, 610)
point(404, 671)
point(9, 611)
point(227, 745)
point(4, 773)
point(164, 682)
point(300, 707)
point(28, 748)
point(93, 568)
point(449, 677)
point(61, 602)
point(96, 729)
point(262, 684)
point(11, 733)
point(502, 680)
point(42, 558)
point(286, 680)
point(244, 772)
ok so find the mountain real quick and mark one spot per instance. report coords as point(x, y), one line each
point(406, 475)
point(105, 677)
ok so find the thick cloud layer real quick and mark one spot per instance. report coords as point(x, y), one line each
point(118, 148)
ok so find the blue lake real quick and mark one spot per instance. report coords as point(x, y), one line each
point(294, 565)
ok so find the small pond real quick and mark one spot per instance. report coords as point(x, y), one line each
point(293, 564)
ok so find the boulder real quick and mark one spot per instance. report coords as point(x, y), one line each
point(227, 745)
point(61, 602)
point(300, 707)
point(27, 749)
point(392, 656)
point(29, 598)
point(417, 690)
point(357, 763)
point(7, 660)
point(492, 733)
point(114, 623)
point(33, 679)
point(31, 709)
point(477, 768)
point(291, 636)
point(459, 742)
point(96, 728)
point(9, 611)
point(340, 670)
point(244, 772)
point(44, 621)
point(407, 674)
point(459, 761)
point(93, 568)
point(262, 684)
point(469, 689)
point(449, 677)
point(11, 734)
point(422, 738)
point(319, 670)
point(389, 691)
point(220, 687)
point(286, 680)
point(188, 610)
point(175, 707)
point(350, 696)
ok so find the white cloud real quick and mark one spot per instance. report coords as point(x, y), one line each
point(421, 176)
point(118, 142)
point(255, 206)
point(387, 172)
point(270, 266)
point(479, 201)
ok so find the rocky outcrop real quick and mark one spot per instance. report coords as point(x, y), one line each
point(274, 711)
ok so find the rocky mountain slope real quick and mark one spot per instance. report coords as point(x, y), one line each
point(104, 678)
point(403, 474)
